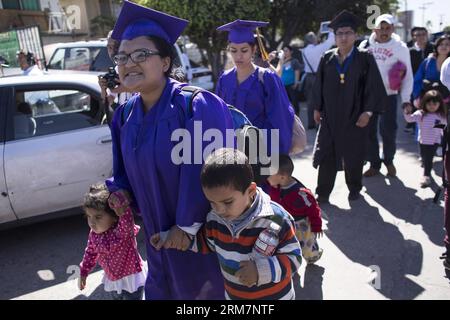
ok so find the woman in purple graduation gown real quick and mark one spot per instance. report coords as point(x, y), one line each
point(257, 92)
point(167, 194)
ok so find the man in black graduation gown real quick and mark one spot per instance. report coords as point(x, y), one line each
point(347, 91)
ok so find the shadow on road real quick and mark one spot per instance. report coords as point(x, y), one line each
point(409, 207)
point(48, 248)
point(362, 235)
point(312, 284)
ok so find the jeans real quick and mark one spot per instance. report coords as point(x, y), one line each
point(125, 295)
point(387, 124)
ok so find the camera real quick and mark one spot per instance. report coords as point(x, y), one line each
point(111, 78)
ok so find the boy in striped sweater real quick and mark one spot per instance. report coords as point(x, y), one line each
point(241, 216)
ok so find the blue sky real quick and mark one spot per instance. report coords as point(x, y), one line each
point(435, 9)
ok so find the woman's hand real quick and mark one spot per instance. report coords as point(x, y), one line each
point(177, 239)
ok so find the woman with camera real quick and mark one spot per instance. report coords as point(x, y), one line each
point(145, 170)
point(257, 92)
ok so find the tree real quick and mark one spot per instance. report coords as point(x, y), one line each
point(288, 19)
point(206, 15)
point(294, 18)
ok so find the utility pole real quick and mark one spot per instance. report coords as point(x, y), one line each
point(441, 16)
point(423, 8)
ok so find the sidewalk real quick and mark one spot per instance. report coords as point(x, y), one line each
point(395, 228)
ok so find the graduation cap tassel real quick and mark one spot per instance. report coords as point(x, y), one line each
point(262, 49)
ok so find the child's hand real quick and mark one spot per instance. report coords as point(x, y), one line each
point(318, 234)
point(119, 201)
point(82, 282)
point(248, 273)
point(407, 109)
point(177, 239)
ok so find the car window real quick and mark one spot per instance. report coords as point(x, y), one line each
point(102, 61)
point(77, 59)
point(57, 61)
point(46, 112)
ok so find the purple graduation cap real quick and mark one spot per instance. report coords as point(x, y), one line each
point(136, 21)
point(345, 19)
point(241, 31)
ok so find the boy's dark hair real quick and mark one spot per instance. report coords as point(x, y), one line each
point(286, 166)
point(227, 168)
point(418, 29)
point(433, 96)
point(97, 198)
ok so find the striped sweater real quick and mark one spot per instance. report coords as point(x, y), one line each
point(428, 134)
point(233, 243)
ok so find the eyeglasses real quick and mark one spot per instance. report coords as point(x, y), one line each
point(346, 34)
point(136, 56)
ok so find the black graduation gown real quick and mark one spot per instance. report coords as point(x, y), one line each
point(342, 104)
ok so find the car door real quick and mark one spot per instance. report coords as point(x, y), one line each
point(56, 147)
point(6, 212)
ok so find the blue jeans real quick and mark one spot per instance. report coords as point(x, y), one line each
point(125, 295)
point(387, 124)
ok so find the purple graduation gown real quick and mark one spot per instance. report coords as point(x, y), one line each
point(168, 194)
point(265, 104)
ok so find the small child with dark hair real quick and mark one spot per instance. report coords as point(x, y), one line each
point(431, 114)
point(112, 243)
point(301, 204)
point(253, 237)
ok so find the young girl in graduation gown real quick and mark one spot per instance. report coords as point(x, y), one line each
point(257, 92)
point(144, 170)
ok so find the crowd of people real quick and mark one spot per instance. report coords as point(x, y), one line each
point(259, 230)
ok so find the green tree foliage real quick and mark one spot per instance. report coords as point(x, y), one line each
point(288, 19)
point(206, 15)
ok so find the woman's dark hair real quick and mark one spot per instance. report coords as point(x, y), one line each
point(433, 96)
point(227, 168)
point(438, 43)
point(97, 198)
point(167, 50)
point(289, 47)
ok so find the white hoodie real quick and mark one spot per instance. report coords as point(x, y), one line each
point(386, 55)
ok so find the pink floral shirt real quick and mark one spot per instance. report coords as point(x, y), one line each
point(115, 250)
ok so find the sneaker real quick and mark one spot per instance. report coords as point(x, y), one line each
point(316, 258)
point(391, 171)
point(352, 196)
point(371, 172)
point(425, 182)
point(322, 199)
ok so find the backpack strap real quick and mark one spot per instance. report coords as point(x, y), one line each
point(189, 93)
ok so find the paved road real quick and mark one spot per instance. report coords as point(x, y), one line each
point(395, 228)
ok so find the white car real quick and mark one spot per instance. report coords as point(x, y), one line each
point(93, 56)
point(54, 144)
